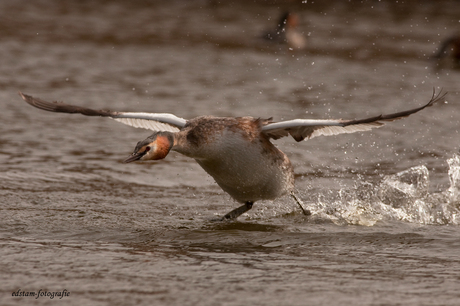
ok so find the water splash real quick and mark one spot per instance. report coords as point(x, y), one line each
point(454, 178)
point(403, 196)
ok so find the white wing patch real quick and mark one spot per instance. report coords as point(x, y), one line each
point(335, 130)
point(148, 124)
point(155, 122)
point(301, 129)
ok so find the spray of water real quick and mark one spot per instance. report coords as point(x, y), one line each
point(403, 196)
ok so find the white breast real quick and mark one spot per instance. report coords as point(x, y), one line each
point(247, 170)
point(295, 39)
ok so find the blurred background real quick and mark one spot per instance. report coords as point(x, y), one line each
point(75, 216)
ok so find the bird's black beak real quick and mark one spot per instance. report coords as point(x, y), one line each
point(134, 157)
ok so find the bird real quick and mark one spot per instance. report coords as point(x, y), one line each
point(286, 32)
point(449, 50)
point(451, 44)
point(236, 151)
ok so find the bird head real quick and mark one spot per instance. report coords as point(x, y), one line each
point(156, 146)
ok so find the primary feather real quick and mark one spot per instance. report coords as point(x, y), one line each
point(160, 122)
point(301, 129)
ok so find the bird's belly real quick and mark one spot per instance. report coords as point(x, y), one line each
point(249, 173)
point(249, 183)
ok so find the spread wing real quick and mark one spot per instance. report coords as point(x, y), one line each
point(301, 129)
point(150, 121)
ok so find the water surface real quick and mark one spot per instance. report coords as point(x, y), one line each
point(384, 229)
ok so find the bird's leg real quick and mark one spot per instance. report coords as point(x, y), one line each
point(238, 211)
point(306, 212)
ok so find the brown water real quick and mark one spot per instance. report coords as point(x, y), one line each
point(384, 229)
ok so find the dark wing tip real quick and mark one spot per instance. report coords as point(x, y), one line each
point(395, 116)
point(38, 103)
point(26, 98)
point(436, 97)
point(61, 107)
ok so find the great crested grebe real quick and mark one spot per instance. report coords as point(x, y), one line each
point(449, 50)
point(286, 32)
point(235, 151)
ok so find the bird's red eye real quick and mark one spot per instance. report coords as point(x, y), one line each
point(147, 149)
